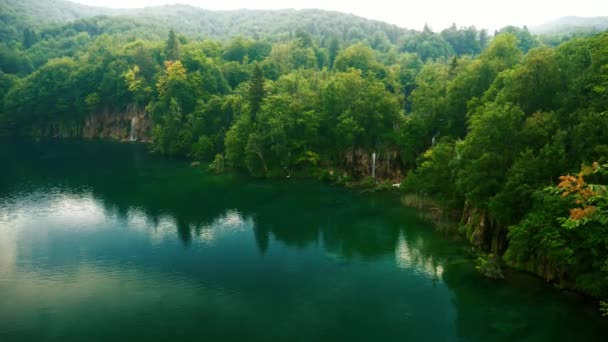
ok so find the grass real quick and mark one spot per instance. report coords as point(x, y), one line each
point(430, 211)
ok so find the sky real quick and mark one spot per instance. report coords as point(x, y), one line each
point(439, 14)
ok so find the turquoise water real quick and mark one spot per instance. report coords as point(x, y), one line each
point(104, 242)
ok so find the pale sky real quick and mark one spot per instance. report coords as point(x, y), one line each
point(438, 14)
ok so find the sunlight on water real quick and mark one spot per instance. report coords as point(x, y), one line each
point(230, 222)
point(411, 258)
point(60, 210)
point(74, 211)
point(8, 249)
point(166, 226)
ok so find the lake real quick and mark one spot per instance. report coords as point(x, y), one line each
point(102, 241)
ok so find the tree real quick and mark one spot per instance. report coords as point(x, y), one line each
point(334, 48)
point(237, 50)
point(256, 91)
point(428, 45)
point(464, 41)
point(170, 136)
point(172, 48)
point(488, 151)
point(428, 98)
point(435, 174)
point(358, 111)
point(567, 232)
point(358, 56)
point(29, 38)
point(525, 39)
point(483, 39)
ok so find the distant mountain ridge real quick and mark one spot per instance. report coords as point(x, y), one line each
point(572, 24)
point(198, 22)
point(16, 16)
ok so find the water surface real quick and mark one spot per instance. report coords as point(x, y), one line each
point(104, 242)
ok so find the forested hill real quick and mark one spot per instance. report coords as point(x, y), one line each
point(17, 15)
point(197, 22)
point(572, 25)
point(32, 32)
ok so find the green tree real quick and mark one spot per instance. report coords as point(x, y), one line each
point(170, 136)
point(334, 49)
point(256, 91)
point(488, 151)
point(525, 39)
point(172, 47)
point(359, 57)
point(435, 174)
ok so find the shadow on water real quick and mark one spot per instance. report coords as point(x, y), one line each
point(131, 184)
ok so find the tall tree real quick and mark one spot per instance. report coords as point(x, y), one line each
point(256, 91)
point(29, 38)
point(334, 48)
point(172, 47)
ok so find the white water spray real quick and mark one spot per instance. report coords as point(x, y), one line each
point(374, 165)
point(132, 132)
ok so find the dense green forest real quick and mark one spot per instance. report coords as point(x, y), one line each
point(505, 132)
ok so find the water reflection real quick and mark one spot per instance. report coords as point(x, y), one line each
point(229, 222)
point(8, 250)
point(410, 257)
point(133, 241)
point(42, 213)
point(68, 255)
point(47, 214)
point(65, 210)
point(165, 227)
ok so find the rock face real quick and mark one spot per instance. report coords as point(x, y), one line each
point(133, 123)
point(482, 231)
point(543, 268)
point(359, 163)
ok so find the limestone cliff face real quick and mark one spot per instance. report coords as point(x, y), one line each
point(359, 163)
point(131, 124)
point(483, 231)
point(544, 269)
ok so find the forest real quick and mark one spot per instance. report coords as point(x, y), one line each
point(505, 131)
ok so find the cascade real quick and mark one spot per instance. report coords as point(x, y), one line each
point(434, 139)
point(374, 164)
point(132, 132)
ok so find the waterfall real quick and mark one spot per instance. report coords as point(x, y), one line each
point(132, 132)
point(374, 165)
point(434, 139)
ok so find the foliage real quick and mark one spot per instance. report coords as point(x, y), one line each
point(489, 266)
point(435, 173)
point(567, 232)
point(483, 125)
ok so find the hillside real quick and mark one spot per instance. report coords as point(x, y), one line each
point(196, 22)
point(572, 25)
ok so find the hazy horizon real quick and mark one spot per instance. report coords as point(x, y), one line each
point(438, 14)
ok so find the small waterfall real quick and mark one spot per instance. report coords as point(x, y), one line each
point(132, 132)
point(434, 141)
point(374, 165)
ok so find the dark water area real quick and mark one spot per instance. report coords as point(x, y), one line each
point(104, 242)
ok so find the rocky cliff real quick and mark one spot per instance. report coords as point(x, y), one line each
point(131, 124)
